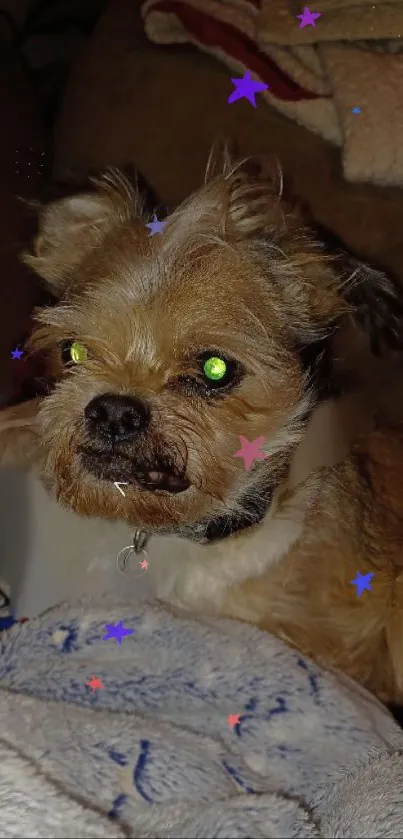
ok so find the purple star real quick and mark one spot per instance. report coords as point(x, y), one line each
point(246, 87)
point(117, 632)
point(156, 226)
point(16, 353)
point(308, 18)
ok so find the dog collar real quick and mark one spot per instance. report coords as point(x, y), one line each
point(216, 529)
point(253, 511)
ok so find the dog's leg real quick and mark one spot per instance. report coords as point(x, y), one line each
point(19, 440)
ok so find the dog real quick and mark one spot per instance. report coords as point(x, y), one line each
point(163, 350)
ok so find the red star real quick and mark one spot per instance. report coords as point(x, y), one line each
point(233, 719)
point(95, 683)
point(144, 564)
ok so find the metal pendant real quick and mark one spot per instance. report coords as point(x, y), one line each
point(135, 550)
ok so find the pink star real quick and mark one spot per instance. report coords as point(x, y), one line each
point(308, 18)
point(250, 451)
point(233, 719)
point(144, 564)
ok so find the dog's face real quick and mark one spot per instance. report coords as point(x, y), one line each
point(167, 348)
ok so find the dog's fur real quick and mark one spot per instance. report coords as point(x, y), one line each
point(234, 271)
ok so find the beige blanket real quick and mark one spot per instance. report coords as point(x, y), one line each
point(347, 69)
point(341, 20)
point(355, 54)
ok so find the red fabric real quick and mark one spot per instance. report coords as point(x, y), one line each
point(216, 35)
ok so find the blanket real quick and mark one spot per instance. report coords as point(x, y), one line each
point(342, 77)
point(121, 720)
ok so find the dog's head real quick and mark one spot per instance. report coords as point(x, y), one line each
point(167, 347)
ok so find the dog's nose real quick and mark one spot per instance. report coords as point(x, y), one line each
point(118, 417)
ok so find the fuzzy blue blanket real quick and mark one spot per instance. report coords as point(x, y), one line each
point(136, 720)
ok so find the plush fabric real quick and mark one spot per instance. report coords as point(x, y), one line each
point(352, 58)
point(152, 752)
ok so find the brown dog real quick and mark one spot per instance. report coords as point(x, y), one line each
point(165, 349)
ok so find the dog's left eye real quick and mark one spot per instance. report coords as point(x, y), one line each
point(74, 352)
point(217, 370)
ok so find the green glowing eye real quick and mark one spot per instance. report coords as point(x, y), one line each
point(215, 368)
point(76, 352)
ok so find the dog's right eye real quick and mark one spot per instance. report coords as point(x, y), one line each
point(218, 372)
point(74, 352)
point(215, 369)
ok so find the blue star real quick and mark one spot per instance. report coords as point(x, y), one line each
point(362, 581)
point(246, 87)
point(156, 226)
point(16, 353)
point(356, 110)
point(116, 631)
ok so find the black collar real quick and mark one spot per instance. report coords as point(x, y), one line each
point(213, 530)
point(253, 511)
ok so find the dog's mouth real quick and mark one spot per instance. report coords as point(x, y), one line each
point(120, 468)
point(164, 481)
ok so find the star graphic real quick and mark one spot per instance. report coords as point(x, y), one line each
point(17, 353)
point(144, 564)
point(233, 719)
point(250, 451)
point(308, 18)
point(363, 582)
point(117, 632)
point(246, 87)
point(94, 683)
point(156, 226)
point(356, 110)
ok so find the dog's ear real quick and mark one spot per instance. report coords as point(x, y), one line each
point(321, 281)
point(252, 193)
point(375, 296)
point(256, 215)
point(376, 302)
point(71, 227)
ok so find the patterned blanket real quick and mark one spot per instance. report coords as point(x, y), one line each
point(122, 720)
